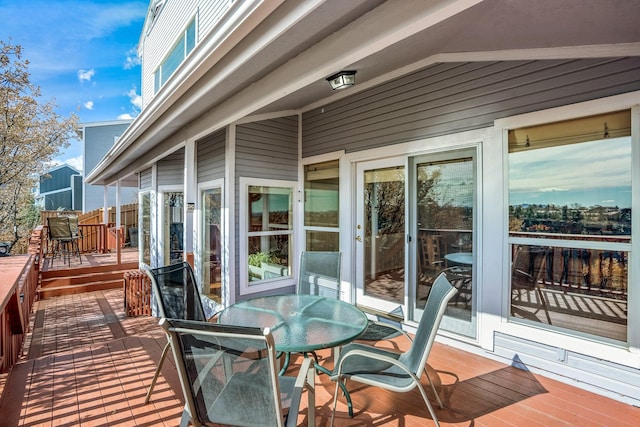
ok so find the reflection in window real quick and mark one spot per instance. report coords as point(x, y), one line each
point(570, 183)
point(445, 200)
point(270, 229)
point(212, 249)
point(321, 206)
point(580, 289)
point(146, 228)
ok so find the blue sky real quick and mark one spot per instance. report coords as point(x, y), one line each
point(82, 53)
point(593, 173)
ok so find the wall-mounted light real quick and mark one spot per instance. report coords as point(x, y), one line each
point(342, 79)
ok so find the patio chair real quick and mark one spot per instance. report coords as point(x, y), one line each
point(399, 372)
point(64, 242)
point(177, 297)
point(527, 275)
point(228, 376)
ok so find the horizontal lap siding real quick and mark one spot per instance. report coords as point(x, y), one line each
point(210, 156)
point(266, 149)
point(169, 25)
point(454, 97)
point(146, 179)
point(171, 169)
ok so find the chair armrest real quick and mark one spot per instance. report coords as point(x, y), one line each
point(370, 355)
point(301, 381)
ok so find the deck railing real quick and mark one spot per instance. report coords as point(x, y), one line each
point(17, 293)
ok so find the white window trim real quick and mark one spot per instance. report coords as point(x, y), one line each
point(199, 247)
point(243, 258)
point(599, 348)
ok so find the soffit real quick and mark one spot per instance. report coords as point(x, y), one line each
point(491, 25)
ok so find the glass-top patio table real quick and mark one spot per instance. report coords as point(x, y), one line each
point(300, 323)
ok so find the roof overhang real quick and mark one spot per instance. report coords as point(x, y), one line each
point(277, 62)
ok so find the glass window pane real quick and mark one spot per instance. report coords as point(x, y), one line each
point(323, 241)
point(270, 208)
point(578, 188)
point(269, 257)
point(212, 249)
point(321, 194)
point(191, 36)
point(445, 194)
point(173, 60)
point(584, 290)
point(146, 228)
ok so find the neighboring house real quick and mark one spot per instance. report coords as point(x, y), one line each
point(60, 189)
point(497, 141)
point(98, 138)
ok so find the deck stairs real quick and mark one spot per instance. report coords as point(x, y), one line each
point(82, 279)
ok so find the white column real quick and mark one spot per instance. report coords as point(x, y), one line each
point(105, 205)
point(190, 194)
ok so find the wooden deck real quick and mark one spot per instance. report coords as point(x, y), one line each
point(85, 363)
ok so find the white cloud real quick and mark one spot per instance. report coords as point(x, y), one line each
point(86, 75)
point(136, 100)
point(88, 105)
point(74, 162)
point(125, 116)
point(132, 59)
point(552, 189)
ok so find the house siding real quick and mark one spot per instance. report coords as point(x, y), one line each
point(171, 169)
point(454, 97)
point(210, 156)
point(267, 149)
point(98, 139)
point(166, 30)
point(146, 178)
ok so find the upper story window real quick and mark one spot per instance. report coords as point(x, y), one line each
point(177, 54)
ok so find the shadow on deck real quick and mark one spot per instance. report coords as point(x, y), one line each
point(85, 362)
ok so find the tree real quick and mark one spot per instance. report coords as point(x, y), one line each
point(31, 135)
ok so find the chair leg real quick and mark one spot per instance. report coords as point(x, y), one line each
point(429, 407)
point(544, 303)
point(335, 402)
point(155, 376)
point(433, 387)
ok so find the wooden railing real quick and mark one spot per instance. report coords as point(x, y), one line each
point(94, 239)
point(17, 293)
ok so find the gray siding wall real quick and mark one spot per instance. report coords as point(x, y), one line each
point(146, 179)
point(171, 169)
point(455, 97)
point(266, 149)
point(210, 156)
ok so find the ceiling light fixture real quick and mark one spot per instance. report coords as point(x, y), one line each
point(342, 79)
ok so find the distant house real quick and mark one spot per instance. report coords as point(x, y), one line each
point(61, 188)
point(98, 138)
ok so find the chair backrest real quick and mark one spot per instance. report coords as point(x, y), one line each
point(176, 292)
point(228, 373)
point(441, 292)
point(320, 274)
point(59, 227)
point(73, 225)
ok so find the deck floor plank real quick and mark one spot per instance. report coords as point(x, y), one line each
point(87, 364)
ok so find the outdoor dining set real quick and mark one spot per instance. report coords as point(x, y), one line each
point(233, 362)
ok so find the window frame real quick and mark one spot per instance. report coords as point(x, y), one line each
point(217, 184)
point(246, 287)
point(159, 79)
point(623, 353)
